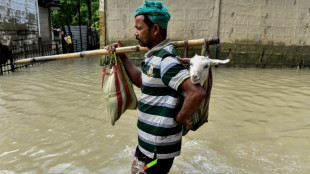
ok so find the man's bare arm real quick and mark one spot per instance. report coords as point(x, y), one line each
point(133, 72)
point(195, 95)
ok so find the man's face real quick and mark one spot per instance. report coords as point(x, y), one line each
point(142, 32)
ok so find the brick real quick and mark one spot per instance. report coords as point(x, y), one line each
point(278, 22)
point(242, 2)
point(254, 10)
point(303, 50)
point(253, 39)
point(255, 48)
point(289, 50)
point(226, 37)
point(291, 13)
point(253, 30)
point(239, 47)
point(177, 14)
point(278, 31)
point(228, 9)
point(280, 4)
point(253, 58)
point(228, 19)
point(291, 4)
point(240, 38)
point(241, 20)
point(240, 29)
point(290, 22)
point(254, 20)
point(289, 32)
point(279, 12)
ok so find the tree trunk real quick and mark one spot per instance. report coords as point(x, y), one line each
point(89, 31)
point(79, 21)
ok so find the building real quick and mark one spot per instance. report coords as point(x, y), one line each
point(25, 21)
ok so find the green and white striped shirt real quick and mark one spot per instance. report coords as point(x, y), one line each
point(162, 75)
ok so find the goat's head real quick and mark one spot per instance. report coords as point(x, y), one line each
point(199, 67)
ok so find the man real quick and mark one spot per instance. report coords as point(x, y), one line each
point(161, 79)
point(5, 52)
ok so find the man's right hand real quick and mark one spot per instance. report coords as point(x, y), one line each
point(111, 48)
point(133, 72)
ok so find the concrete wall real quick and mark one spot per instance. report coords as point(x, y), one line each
point(259, 32)
point(19, 21)
point(45, 24)
point(266, 32)
point(189, 19)
point(266, 21)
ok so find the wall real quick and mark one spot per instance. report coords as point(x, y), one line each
point(18, 21)
point(268, 22)
point(45, 27)
point(266, 32)
point(259, 32)
point(191, 20)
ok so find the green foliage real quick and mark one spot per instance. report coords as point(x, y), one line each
point(68, 14)
point(95, 22)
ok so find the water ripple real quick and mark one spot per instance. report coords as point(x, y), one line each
point(53, 120)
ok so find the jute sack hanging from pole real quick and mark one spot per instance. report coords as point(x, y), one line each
point(117, 89)
point(202, 114)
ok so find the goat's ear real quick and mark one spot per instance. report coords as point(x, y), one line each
point(184, 61)
point(217, 61)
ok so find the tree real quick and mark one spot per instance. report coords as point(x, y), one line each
point(78, 12)
point(68, 13)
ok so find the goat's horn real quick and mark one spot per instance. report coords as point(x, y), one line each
point(217, 61)
point(183, 60)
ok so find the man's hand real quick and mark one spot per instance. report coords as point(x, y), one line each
point(111, 48)
point(195, 95)
point(133, 72)
point(186, 122)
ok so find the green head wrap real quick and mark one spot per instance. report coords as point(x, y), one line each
point(155, 11)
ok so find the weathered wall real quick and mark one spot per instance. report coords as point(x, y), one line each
point(189, 19)
point(266, 21)
point(45, 28)
point(259, 32)
point(266, 32)
point(18, 21)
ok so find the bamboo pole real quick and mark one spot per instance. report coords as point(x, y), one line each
point(100, 52)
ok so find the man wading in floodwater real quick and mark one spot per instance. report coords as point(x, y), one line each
point(161, 79)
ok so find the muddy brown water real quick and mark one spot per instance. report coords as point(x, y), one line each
point(53, 120)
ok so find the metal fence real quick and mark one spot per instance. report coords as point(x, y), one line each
point(43, 48)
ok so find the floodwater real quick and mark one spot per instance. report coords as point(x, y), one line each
point(53, 120)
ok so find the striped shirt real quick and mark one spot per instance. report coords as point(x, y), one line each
point(162, 75)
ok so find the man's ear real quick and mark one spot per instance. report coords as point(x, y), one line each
point(156, 29)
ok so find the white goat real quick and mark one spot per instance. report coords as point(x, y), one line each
point(199, 67)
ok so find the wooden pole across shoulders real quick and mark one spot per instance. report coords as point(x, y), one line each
point(100, 52)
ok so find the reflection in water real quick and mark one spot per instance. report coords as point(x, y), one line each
point(53, 120)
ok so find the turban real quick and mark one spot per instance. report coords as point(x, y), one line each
point(155, 11)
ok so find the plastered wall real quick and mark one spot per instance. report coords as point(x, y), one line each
point(254, 21)
point(18, 21)
point(266, 21)
point(266, 33)
point(259, 32)
point(189, 19)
